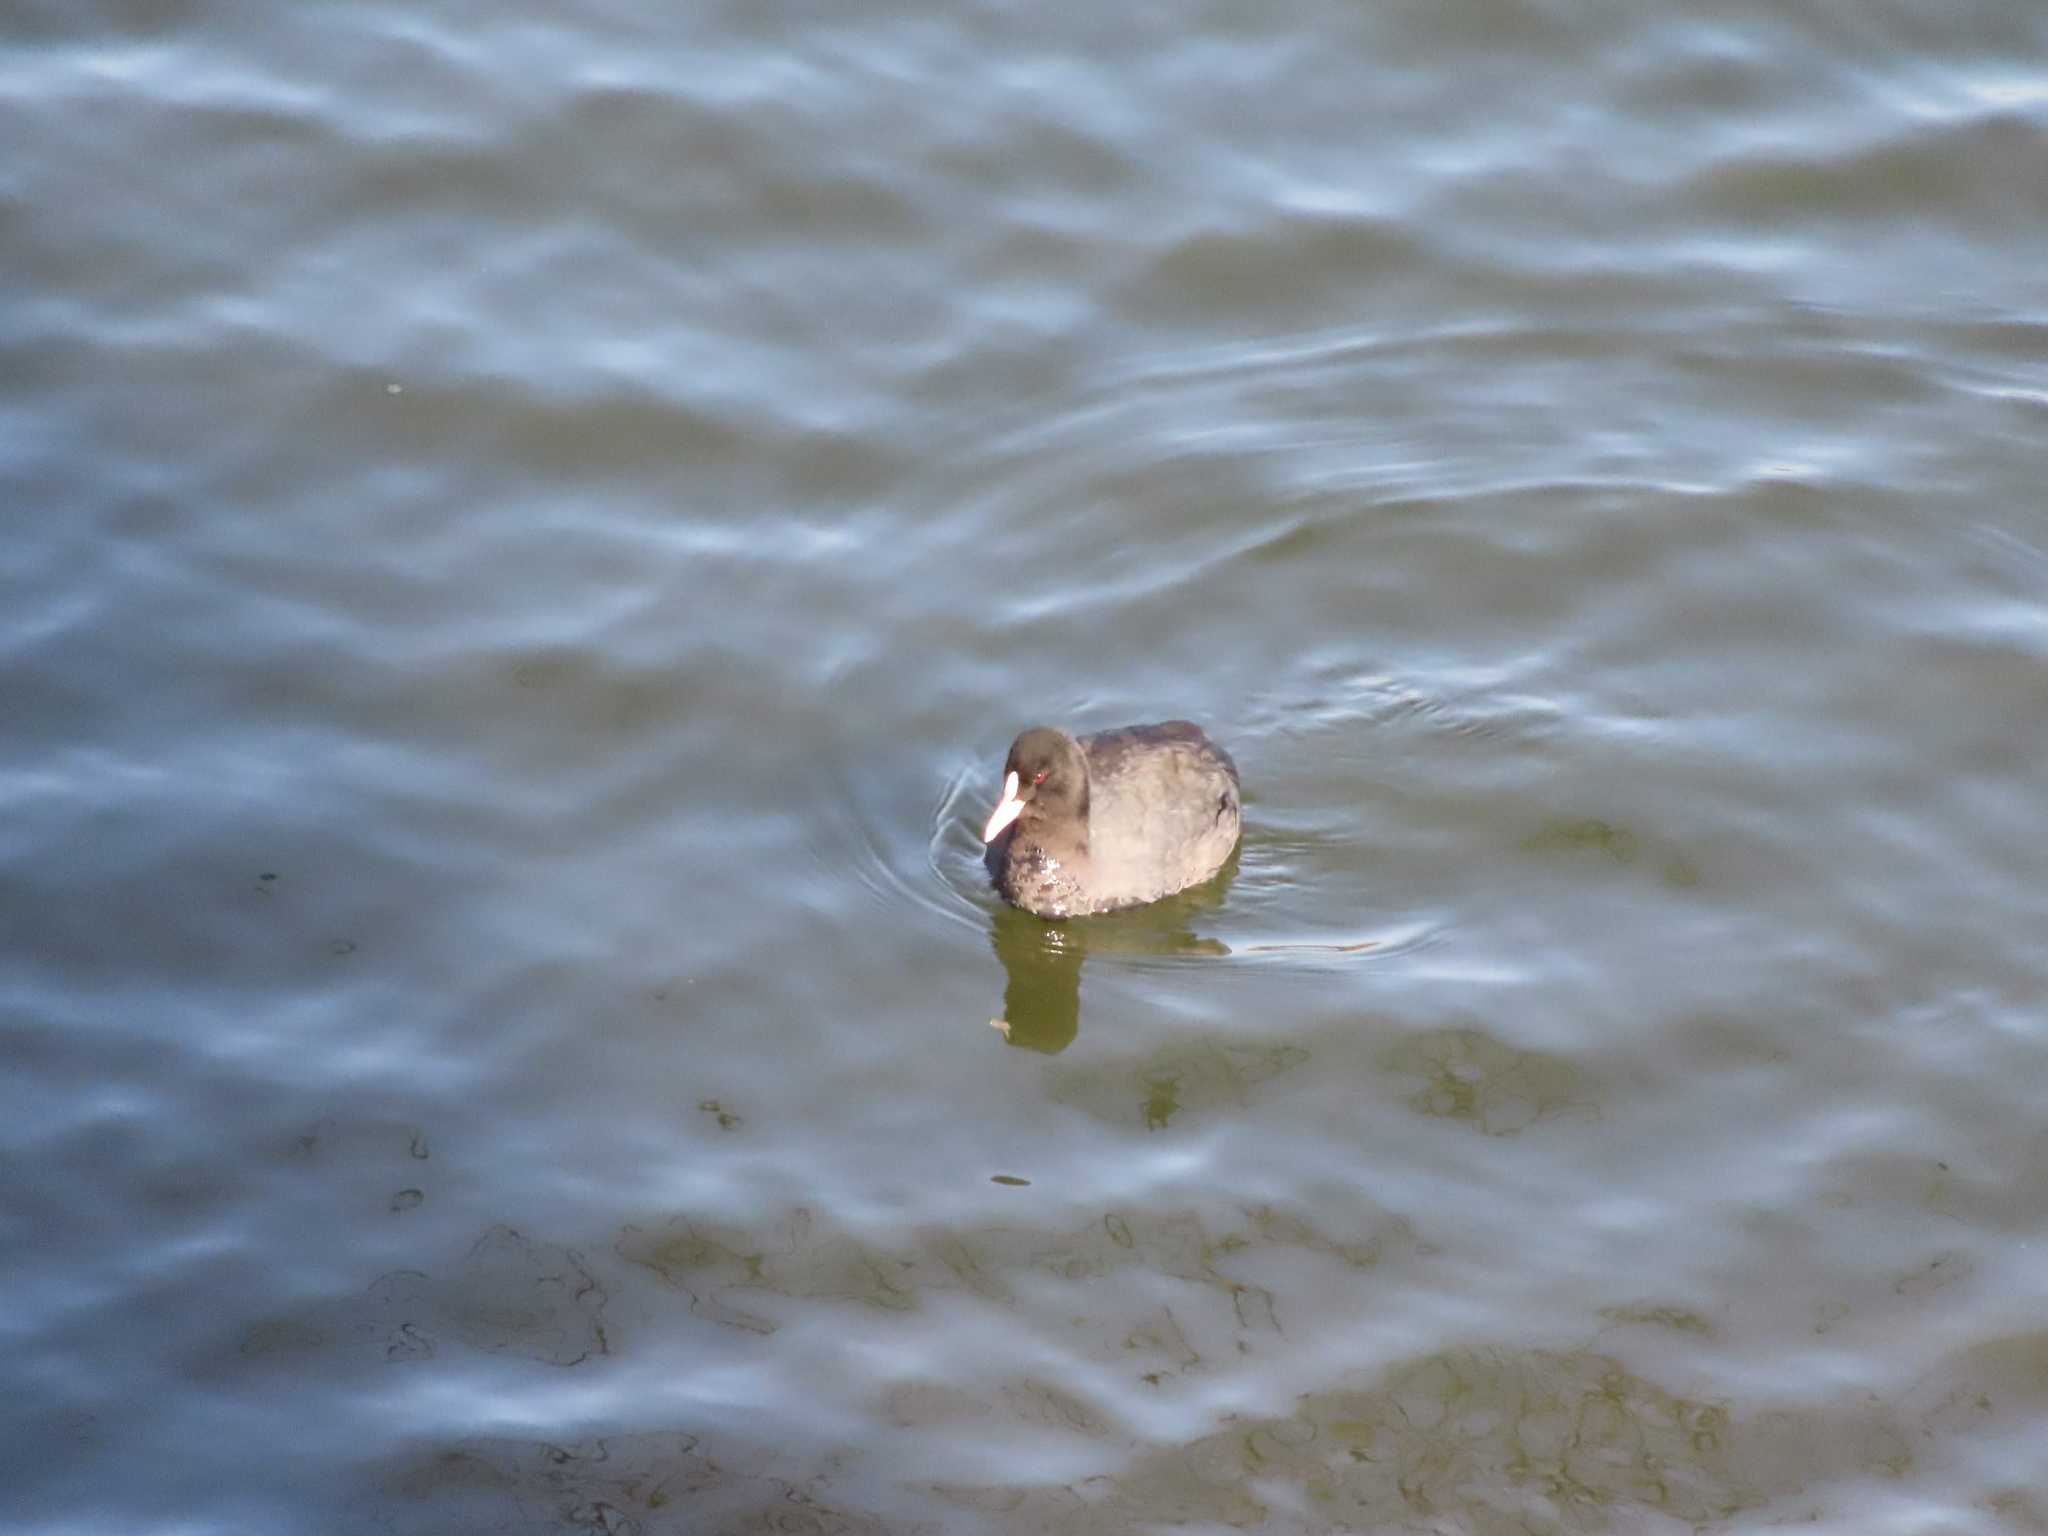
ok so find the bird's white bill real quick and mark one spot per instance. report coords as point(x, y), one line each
point(1003, 814)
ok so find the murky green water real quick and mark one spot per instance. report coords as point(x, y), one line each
point(530, 530)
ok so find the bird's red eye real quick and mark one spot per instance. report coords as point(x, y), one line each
point(1038, 777)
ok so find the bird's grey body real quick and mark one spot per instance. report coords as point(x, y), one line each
point(1118, 819)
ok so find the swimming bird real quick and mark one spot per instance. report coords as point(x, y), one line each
point(1116, 819)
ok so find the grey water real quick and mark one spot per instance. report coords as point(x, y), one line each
point(528, 530)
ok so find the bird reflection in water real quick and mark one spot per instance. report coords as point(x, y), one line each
point(1042, 960)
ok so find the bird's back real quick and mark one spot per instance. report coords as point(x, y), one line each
point(1163, 810)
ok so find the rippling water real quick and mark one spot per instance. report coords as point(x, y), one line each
point(530, 530)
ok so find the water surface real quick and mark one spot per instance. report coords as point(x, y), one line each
point(531, 529)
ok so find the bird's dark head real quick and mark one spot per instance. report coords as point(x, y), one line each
point(1045, 778)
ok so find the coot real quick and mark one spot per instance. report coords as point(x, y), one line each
point(1112, 820)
